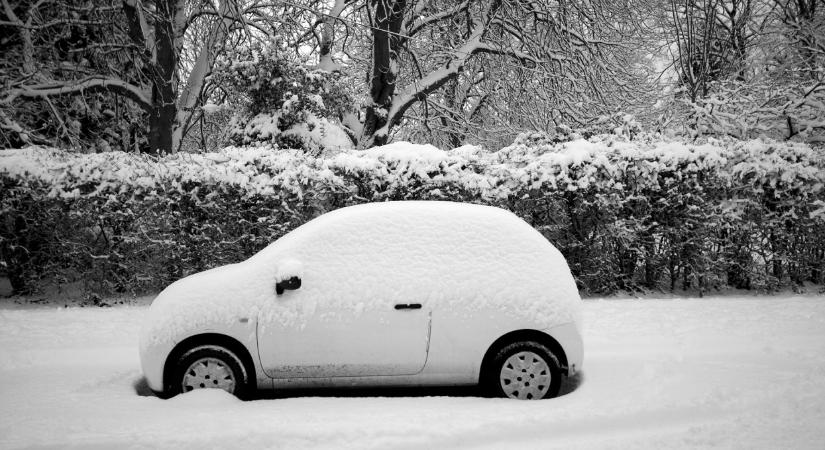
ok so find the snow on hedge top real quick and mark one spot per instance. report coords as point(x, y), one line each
point(599, 162)
point(465, 258)
point(407, 153)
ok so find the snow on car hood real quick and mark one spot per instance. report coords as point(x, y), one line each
point(207, 301)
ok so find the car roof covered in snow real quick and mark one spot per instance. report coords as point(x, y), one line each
point(444, 254)
point(447, 256)
point(436, 218)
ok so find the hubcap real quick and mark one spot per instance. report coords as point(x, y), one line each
point(208, 373)
point(525, 376)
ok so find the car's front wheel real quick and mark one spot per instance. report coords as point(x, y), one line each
point(525, 370)
point(210, 367)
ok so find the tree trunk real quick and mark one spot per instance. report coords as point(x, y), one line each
point(161, 120)
point(651, 264)
point(451, 96)
point(389, 16)
point(163, 114)
point(805, 29)
point(325, 61)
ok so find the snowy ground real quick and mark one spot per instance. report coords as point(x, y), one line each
point(715, 372)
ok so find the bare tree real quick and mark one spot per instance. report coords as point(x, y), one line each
point(805, 22)
point(694, 26)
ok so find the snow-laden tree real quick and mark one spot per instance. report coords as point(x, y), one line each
point(46, 41)
point(155, 53)
point(749, 68)
point(419, 50)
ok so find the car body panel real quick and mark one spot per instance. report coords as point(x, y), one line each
point(152, 360)
point(460, 339)
point(242, 329)
point(337, 342)
point(569, 337)
point(453, 365)
point(230, 309)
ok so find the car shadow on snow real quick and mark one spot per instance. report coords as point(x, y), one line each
point(142, 388)
point(568, 385)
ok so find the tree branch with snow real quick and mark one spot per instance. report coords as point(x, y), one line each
point(438, 40)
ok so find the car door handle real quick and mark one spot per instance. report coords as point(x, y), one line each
point(408, 306)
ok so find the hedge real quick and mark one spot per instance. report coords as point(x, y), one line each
point(642, 214)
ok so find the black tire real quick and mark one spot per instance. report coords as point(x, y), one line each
point(219, 365)
point(537, 363)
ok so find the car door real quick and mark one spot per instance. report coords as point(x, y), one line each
point(356, 313)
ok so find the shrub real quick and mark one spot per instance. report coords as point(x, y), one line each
point(284, 103)
point(627, 215)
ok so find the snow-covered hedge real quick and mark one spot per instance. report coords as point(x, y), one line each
point(646, 213)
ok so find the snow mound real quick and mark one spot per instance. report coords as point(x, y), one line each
point(204, 398)
point(407, 153)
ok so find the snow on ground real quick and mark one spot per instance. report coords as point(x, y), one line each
point(716, 372)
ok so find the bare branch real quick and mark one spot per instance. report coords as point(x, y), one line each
point(56, 88)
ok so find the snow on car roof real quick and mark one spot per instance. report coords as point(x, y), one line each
point(462, 257)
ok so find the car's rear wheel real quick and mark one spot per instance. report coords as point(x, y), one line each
point(210, 367)
point(525, 370)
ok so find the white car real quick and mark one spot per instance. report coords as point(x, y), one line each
point(383, 294)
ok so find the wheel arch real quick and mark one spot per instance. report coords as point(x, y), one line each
point(217, 339)
point(517, 336)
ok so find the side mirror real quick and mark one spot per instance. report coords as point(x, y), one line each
point(288, 275)
point(288, 284)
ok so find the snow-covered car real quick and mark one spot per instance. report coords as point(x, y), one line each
point(383, 294)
